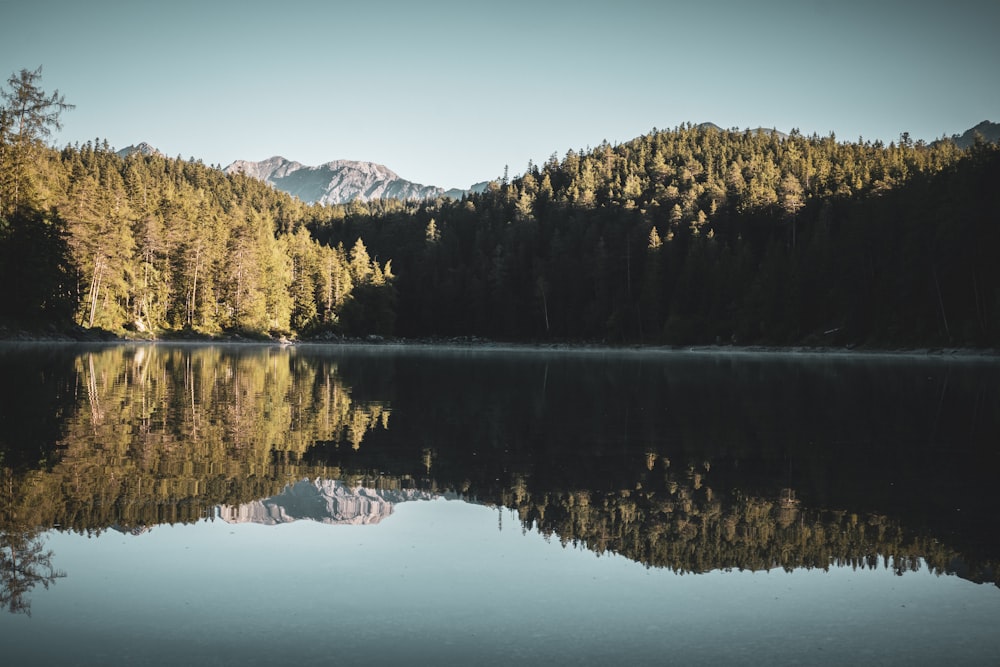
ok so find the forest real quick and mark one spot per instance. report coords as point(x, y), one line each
point(692, 235)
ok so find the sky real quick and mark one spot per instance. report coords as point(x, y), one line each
point(448, 93)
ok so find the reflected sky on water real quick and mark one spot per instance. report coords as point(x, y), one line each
point(441, 581)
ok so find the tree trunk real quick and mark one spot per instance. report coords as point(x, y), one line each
point(95, 288)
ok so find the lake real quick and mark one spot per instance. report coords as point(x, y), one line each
point(256, 505)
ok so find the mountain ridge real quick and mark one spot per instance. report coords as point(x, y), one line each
point(345, 181)
point(989, 131)
point(142, 148)
point(768, 131)
point(340, 181)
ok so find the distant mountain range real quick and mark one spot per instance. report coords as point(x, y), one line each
point(336, 182)
point(341, 181)
point(344, 181)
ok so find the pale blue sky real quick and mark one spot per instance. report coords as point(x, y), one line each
point(447, 93)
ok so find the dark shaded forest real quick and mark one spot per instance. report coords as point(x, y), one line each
point(694, 235)
point(698, 235)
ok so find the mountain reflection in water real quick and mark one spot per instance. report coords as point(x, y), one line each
point(324, 500)
point(687, 462)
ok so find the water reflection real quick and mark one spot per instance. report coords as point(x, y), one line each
point(159, 435)
point(324, 500)
point(25, 563)
point(437, 583)
point(687, 462)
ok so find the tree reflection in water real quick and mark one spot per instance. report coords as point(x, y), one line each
point(24, 564)
point(680, 466)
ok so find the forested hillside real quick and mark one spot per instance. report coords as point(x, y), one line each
point(698, 235)
point(149, 245)
point(690, 235)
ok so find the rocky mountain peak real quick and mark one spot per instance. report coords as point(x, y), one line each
point(989, 131)
point(339, 181)
point(141, 148)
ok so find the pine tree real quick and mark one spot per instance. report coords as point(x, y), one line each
point(27, 117)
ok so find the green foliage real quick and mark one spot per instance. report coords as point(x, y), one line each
point(152, 245)
point(36, 269)
point(27, 116)
point(759, 239)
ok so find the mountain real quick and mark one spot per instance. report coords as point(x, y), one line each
point(990, 132)
point(340, 181)
point(768, 131)
point(757, 130)
point(141, 148)
point(323, 500)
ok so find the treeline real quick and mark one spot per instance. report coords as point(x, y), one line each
point(699, 235)
point(691, 235)
point(157, 244)
point(148, 244)
point(680, 523)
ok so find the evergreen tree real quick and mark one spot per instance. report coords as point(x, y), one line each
point(36, 269)
point(27, 117)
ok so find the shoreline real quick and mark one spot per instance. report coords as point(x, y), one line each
point(100, 337)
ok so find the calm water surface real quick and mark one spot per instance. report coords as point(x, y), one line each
point(242, 505)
